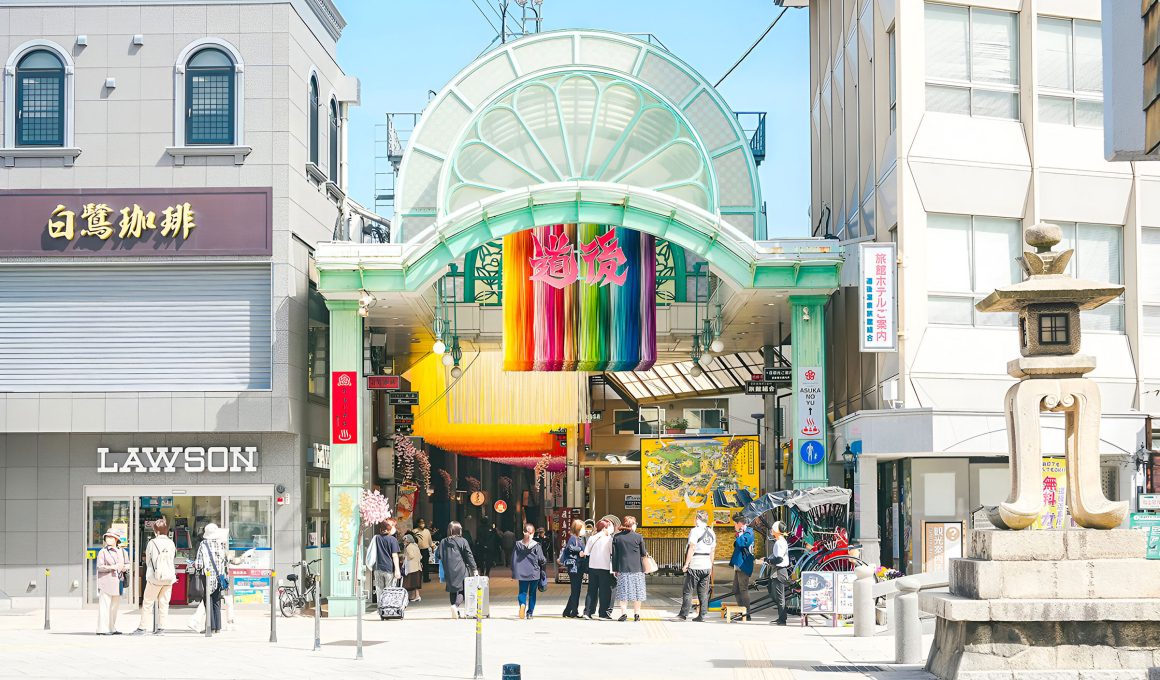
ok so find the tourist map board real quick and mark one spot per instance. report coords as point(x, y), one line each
point(680, 476)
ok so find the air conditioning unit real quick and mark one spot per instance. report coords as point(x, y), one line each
point(894, 404)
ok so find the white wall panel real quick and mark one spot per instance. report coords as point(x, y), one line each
point(953, 188)
point(1084, 198)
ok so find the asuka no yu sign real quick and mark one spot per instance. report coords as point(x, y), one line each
point(579, 297)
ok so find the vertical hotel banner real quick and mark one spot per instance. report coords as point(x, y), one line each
point(879, 298)
point(344, 407)
point(579, 297)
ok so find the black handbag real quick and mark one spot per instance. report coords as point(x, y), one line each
point(194, 586)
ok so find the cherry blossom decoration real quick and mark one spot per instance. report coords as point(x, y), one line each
point(374, 507)
point(474, 484)
point(448, 483)
point(409, 458)
point(505, 486)
point(542, 471)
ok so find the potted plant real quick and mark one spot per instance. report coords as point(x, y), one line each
point(676, 426)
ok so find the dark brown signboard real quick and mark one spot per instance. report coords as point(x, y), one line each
point(136, 222)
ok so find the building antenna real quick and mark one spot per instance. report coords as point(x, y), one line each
point(752, 47)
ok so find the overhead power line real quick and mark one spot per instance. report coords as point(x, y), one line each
point(485, 17)
point(752, 47)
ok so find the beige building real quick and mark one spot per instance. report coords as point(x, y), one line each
point(947, 128)
point(165, 171)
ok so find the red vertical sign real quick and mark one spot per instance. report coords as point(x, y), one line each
point(344, 407)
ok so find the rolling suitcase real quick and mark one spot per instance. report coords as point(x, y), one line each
point(392, 603)
point(469, 590)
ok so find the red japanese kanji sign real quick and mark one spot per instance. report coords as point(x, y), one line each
point(344, 407)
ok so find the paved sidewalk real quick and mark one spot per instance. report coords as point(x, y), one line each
point(429, 644)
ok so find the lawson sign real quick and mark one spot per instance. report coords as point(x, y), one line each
point(146, 459)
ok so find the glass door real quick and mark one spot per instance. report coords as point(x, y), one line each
point(117, 514)
point(251, 528)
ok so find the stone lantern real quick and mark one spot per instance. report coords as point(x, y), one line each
point(1051, 378)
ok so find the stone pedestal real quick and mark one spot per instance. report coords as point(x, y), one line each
point(1066, 605)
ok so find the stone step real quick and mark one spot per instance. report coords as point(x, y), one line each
point(958, 608)
point(1071, 544)
point(1033, 580)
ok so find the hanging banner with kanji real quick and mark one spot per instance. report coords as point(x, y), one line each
point(579, 297)
point(878, 270)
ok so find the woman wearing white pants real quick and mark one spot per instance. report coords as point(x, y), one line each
point(111, 564)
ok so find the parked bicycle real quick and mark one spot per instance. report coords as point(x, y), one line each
point(291, 599)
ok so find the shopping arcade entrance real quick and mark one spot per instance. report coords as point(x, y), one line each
point(498, 151)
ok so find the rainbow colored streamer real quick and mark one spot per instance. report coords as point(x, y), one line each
point(582, 326)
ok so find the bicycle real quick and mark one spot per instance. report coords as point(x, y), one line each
point(291, 600)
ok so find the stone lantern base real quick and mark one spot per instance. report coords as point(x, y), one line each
point(1074, 604)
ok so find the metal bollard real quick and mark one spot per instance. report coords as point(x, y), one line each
point(317, 616)
point(479, 633)
point(208, 608)
point(360, 612)
point(908, 633)
point(511, 671)
point(273, 604)
point(156, 611)
point(864, 601)
point(47, 623)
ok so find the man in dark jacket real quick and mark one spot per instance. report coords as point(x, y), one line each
point(507, 542)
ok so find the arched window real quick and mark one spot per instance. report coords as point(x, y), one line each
point(210, 96)
point(40, 100)
point(334, 141)
point(314, 104)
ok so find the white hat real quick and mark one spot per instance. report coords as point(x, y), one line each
point(209, 530)
point(115, 534)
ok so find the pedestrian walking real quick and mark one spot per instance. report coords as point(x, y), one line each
point(484, 553)
point(742, 561)
point(598, 550)
point(698, 567)
point(160, 575)
point(111, 570)
point(570, 558)
point(628, 553)
point(507, 543)
point(412, 567)
point(211, 556)
point(423, 537)
point(528, 563)
point(383, 557)
point(777, 558)
point(544, 540)
point(457, 561)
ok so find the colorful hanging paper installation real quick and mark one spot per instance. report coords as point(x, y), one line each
point(579, 297)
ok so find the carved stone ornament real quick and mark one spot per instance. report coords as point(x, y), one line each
point(1051, 378)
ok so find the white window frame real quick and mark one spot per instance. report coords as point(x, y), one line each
point(179, 151)
point(978, 319)
point(640, 418)
point(9, 152)
point(1151, 304)
point(970, 85)
point(1071, 93)
point(723, 419)
point(892, 77)
point(1073, 270)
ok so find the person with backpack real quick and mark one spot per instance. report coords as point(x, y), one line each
point(742, 561)
point(383, 557)
point(698, 567)
point(160, 575)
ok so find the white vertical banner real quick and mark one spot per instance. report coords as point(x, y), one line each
point(879, 296)
point(810, 409)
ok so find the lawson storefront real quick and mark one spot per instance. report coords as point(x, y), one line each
point(140, 378)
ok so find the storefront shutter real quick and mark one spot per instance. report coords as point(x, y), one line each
point(110, 328)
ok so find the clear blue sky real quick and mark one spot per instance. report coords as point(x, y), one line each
point(399, 50)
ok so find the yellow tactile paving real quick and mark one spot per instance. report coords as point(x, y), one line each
point(756, 658)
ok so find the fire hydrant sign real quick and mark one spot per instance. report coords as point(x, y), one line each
point(809, 402)
point(344, 407)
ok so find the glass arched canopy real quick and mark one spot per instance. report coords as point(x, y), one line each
point(579, 126)
point(583, 114)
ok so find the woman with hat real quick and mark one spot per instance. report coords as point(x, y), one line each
point(211, 561)
point(777, 557)
point(111, 565)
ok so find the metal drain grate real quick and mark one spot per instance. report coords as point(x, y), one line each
point(352, 643)
point(848, 669)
